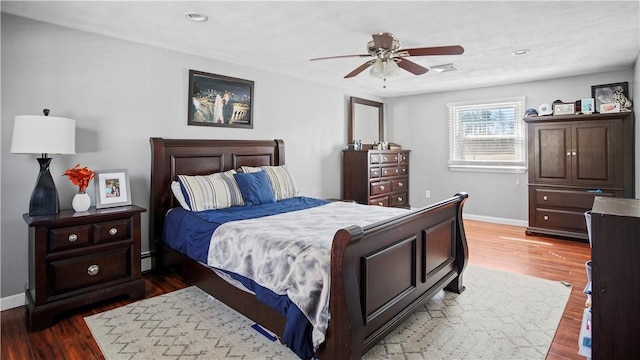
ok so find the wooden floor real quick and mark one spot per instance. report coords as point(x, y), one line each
point(496, 246)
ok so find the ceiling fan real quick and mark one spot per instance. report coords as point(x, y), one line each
point(389, 58)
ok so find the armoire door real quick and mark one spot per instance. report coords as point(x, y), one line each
point(592, 153)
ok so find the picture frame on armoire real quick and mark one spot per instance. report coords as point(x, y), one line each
point(604, 94)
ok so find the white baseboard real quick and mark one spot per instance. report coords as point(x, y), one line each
point(17, 300)
point(12, 301)
point(495, 220)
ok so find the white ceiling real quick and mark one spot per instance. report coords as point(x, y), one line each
point(565, 37)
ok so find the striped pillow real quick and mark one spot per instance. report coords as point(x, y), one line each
point(215, 191)
point(282, 182)
point(176, 189)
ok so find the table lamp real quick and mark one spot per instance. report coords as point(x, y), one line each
point(37, 134)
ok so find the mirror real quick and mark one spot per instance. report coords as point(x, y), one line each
point(366, 121)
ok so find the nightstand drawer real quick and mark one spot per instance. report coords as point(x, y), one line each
point(69, 237)
point(111, 231)
point(75, 273)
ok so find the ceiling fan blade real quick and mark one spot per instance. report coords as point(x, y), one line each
point(340, 56)
point(438, 50)
point(411, 67)
point(383, 41)
point(360, 69)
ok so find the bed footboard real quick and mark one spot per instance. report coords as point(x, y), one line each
point(382, 273)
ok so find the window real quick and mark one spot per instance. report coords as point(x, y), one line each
point(487, 136)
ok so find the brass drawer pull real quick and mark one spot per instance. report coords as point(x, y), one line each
point(544, 198)
point(381, 187)
point(384, 158)
point(396, 171)
point(400, 184)
point(73, 237)
point(568, 153)
point(113, 231)
point(93, 270)
point(546, 217)
point(399, 199)
point(380, 203)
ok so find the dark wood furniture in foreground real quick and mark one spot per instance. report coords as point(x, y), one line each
point(573, 158)
point(615, 228)
point(492, 245)
point(376, 177)
point(425, 251)
point(80, 258)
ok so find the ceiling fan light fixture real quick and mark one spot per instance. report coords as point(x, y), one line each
point(384, 68)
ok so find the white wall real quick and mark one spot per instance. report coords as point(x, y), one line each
point(420, 123)
point(121, 93)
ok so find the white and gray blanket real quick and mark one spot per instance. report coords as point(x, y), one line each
point(290, 253)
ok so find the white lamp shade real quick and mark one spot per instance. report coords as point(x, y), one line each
point(37, 134)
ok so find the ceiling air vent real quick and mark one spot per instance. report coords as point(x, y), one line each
point(445, 68)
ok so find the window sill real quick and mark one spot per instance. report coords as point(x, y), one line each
point(489, 169)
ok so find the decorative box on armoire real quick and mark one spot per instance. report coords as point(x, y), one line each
point(376, 177)
point(573, 159)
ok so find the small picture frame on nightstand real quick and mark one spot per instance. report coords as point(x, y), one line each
point(112, 188)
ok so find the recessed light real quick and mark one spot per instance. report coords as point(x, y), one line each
point(197, 17)
point(521, 52)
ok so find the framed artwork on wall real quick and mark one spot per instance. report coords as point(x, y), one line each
point(605, 94)
point(217, 100)
point(112, 188)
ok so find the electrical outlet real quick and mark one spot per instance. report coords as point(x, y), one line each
point(427, 194)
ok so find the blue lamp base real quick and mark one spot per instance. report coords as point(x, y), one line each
point(44, 198)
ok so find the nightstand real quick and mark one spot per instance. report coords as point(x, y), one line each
point(77, 259)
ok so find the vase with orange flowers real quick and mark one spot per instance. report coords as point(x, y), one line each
point(80, 176)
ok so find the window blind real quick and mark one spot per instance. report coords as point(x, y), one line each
point(487, 136)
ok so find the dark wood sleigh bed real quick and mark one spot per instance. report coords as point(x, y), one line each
point(380, 274)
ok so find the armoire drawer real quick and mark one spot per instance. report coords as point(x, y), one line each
point(561, 219)
point(562, 198)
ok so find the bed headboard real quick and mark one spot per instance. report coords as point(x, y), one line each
point(173, 157)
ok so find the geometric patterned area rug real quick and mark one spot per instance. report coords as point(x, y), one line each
point(500, 315)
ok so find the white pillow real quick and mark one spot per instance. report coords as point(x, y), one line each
point(177, 192)
point(215, 191)
point(282, 182)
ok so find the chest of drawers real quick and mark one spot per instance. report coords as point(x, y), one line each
point(76, 259)
point(376, 177)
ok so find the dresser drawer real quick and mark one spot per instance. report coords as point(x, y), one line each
point(69, 237)
point(564, 198)
point(79, 272)
point(561, 219)
point(389, 158)
point(380, 201)
point(380, 187)
point(403, 158)
point(374, 173)
point(399, 184)
point(388, 171)
point(374, 159)
point(112, 231)
point(398, 199)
